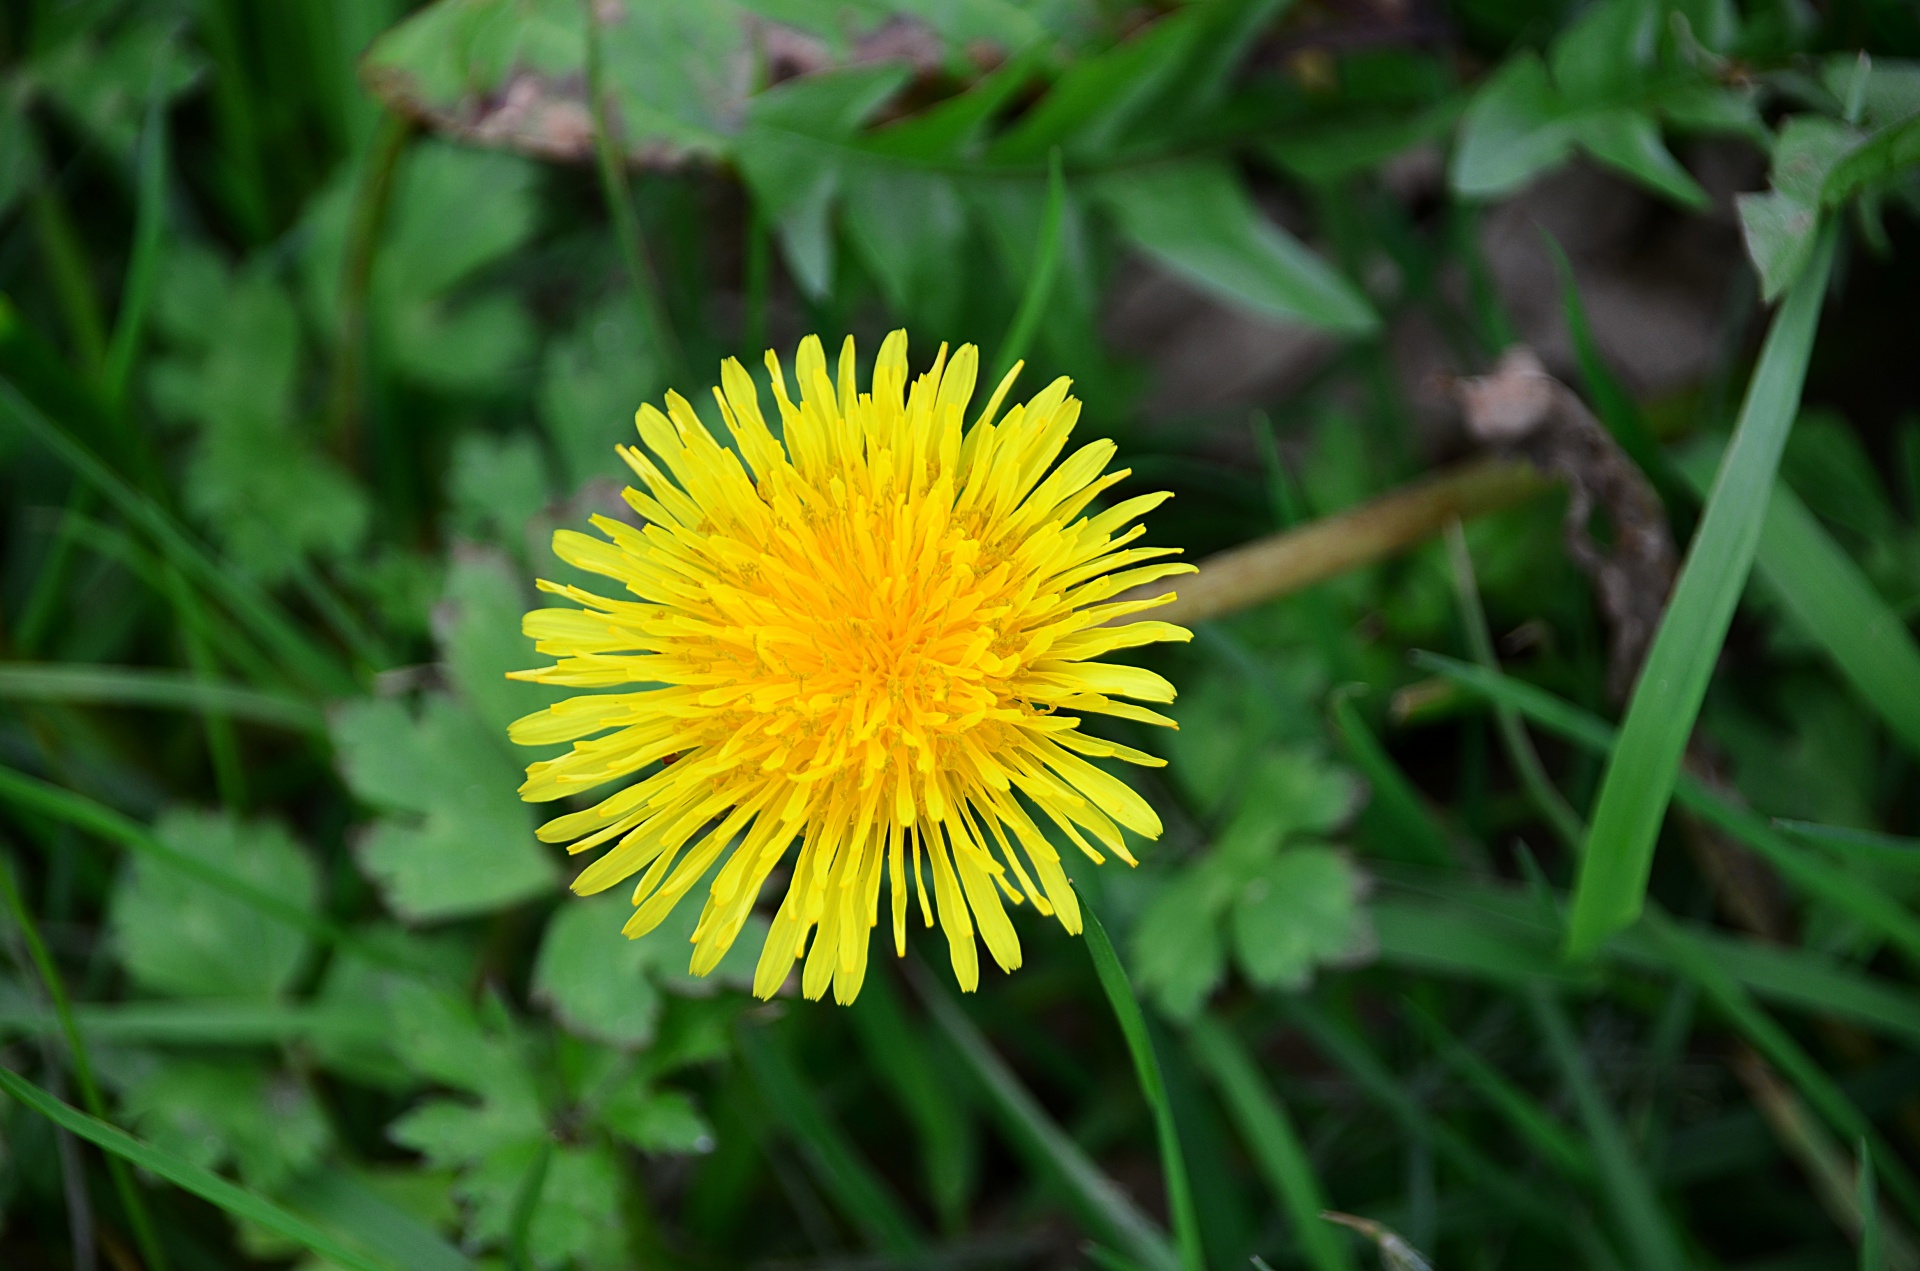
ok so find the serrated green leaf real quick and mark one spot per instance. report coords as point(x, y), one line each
point(1196, 218)
point(592, 380)
point(179, 936)
point(1514, 129)
point(267, 1124)
point(459, 841)
point(1299, 911)
point(656, 1120)
point(478, 623)
point(1179, 956)
point(255, 476)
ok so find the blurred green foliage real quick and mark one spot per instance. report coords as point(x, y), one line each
point(317, 317)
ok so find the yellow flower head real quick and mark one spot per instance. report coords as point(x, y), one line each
point(874, 637)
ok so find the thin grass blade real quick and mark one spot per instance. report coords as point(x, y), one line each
point(1046, 266)
point(142, 686)
point(1146, 1064)
point(1623, 1180)
point(1610, 887)
point(863, 1197)
point(1269, 1134)
point(202, 1182)
point(1036, 1136)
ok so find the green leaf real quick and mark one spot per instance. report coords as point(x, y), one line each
point(1179, 951)
point(1606, 52)
point(793, 153)
point(597, 982)
point(256, 476)
point(1196, 218)
point(1878, 160)
point(1646, 757)
point(1629, 140)
point(457, 840)
point(478, 623)
point(901, 1055)
point(177, 935)
point(592, 380)
point(604, 985)
point(1779, 226)
point(656, 1120)
point(1300, 911)
point(236, 1201)
point(496, 485)
point(268, 1124)
point(1514, 129)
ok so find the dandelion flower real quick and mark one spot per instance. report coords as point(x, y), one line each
point(874, 634)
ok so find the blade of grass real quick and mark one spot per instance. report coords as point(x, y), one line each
point(1146, 1065)
point(1534, 1124)
point(1546, 799)
point(141, 686)
point(1865, 845)
point(204, 1183)
point(1611, 401)
point(524, 1206)
point(1268, 1133)
point(248, 603)
point(95, 818)
point(204, 1023)
point(1623, 1181)
point(143, 268)
point(1807, 871)
point(1046, 265)
point(863, 1197)
point(1786, 1054)
point(131, 1200)
point(1831, 599)
point(1873, 1254)
point(654, 319)
point(372, 196)
point(1353, 1055)
point(1818, 1154)
point(1610, 885)
point(899, 1054)
point(1036, 1136)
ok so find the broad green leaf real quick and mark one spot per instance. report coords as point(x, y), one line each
point(267, 1124)
point(256, 477)
point(478, 623)
point(656, 1120)
point(592, 381)
point(179, 936)
point(603, 985)
point(794, 152)
point(103, 84)
point(909, 227)
point(1606, 52)
point(1646, 757)
point(1514, 129)
point(1299, 911)
point(1630, 141)
point(1879, 159)
point(236, 1201)
point(456, 840)
point(1196, 218)
point(1179, 951)
point(496, 485)
point(1780, 225)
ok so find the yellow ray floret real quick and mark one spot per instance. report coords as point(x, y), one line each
point(871, 635)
